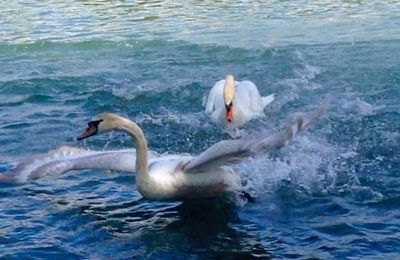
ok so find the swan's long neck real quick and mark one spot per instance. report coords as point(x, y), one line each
point(229, 89)
point(139, 139)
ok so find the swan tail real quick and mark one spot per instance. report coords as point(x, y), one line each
point(268, 99)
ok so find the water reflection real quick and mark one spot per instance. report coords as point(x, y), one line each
point(209, 228)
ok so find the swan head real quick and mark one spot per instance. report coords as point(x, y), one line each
point(102, 123)
point(229, 95)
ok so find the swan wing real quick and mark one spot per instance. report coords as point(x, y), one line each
point(215, 98)
point(248, 98)
point(230, 152)
point(67, 158)
point(222, 153)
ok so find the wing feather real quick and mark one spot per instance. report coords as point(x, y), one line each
point(67, 158)
point(230, 152)
point(215, 98)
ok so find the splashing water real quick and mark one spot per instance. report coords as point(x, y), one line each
point(332, 193)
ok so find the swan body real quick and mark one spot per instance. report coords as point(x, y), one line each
point(233, 103)
point(169, 180)
point(159, 176)
point(167, 177)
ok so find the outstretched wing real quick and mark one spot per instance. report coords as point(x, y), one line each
point(234, 151)
point(67, 158)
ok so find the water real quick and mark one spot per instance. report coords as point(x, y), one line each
point(333, 193)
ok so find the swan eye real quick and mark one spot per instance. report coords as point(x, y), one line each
point(95, 123)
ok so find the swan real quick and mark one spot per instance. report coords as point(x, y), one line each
point(181, 177)
point(233, 103)
point(162, 176)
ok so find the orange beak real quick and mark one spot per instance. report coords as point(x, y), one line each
point(229, 114)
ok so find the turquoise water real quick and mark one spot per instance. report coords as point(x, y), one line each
point(333, 193)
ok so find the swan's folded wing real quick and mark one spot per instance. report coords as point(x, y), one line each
point(229, 152)
point(65, 159)
point(215, 97)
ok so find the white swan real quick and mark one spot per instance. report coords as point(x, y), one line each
point(233, 103)
point(177, 177)
point(166, 177)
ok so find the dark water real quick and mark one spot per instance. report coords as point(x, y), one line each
point(333, 193)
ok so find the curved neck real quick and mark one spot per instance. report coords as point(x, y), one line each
point(141, 146)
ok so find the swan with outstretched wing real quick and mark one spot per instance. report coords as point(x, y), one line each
point(206, 175)
point(159, 177)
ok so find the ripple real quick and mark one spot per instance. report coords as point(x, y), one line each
point(331, 194)
point(205, 22)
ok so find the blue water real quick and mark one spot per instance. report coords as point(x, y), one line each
point(333, 193)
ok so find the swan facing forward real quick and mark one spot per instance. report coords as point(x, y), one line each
point(207, 175)
point(233, 103)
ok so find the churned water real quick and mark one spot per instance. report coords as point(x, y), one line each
point(333, 193)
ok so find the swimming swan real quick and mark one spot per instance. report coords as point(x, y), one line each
point(207, 175)
point(233, 103)
point(172, 176)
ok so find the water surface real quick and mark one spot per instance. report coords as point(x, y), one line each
point(333, 193)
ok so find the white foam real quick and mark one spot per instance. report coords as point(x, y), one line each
point(360, 107)
point(392, 136)
point(311, 165)
point(300, 163)
point(171, 117)
point(364, 108)
point(295, 87)
point(308, 71)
